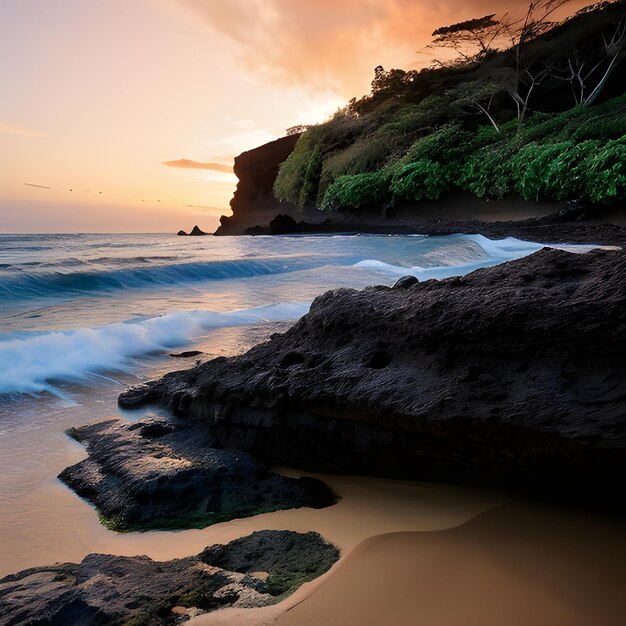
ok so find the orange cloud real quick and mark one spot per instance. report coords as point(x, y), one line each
point(335, 43)
point(197, 165)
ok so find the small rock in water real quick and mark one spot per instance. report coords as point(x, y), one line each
point(405, 282)
point(187, 354)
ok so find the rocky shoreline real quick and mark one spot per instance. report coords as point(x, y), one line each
point(166, 474)
point(510, 376)
point(254, 571)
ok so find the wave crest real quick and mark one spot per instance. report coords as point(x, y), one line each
point(33, 363)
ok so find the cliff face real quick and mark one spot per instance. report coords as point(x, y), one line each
point(254, 203)
point(513, 374)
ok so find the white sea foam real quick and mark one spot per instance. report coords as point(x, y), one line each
point(32, 364)
point(493, 253)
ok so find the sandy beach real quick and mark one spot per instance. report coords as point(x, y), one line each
point(515, 565)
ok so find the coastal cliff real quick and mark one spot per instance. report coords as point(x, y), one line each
point(254, 203)
point(512, 375)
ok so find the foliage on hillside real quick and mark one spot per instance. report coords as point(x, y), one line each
point(419, 135)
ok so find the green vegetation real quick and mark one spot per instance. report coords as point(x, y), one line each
point(495, 123)
point(283, 584)
point(123, 523)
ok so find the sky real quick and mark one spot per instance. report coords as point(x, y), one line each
point(125, 115)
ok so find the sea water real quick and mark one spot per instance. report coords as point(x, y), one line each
point(81, 308)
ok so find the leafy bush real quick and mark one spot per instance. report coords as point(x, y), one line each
point(448, 143)
point(357, 190)
point(565, 177)
point(488, 172)
point(606, 127)
point(605, 172)
point(359, 158)
point(292, 172)
point(403, 119)
point(311, 179)
point(420, 180)
point(530, 166)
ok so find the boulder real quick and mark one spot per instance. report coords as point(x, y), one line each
point(405, 282)
point(103, 589)
point(511, 375)
point(159, 474)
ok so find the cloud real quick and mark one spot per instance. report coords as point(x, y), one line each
point(196, 165)
point(16, 129)
point(335, 44)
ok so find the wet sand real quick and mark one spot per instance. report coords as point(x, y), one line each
point(70, 529)
point(518, 565)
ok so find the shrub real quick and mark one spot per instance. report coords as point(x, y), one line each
point(311, 179)
point(357, 190)
point(448, 143)
point(420, 180)
point(606, 127)
point(605, 172)
point(291, 174)
point(488, 172)
point(361, 157)
point(530, 167)
point(566, 173)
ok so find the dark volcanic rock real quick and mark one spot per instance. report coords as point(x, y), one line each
point(157, 474)
point(196, 231)
point(405, 282)
point(113, 590)
point(187, 354)
point(283, 225)
point(254, 204)
point(511, 375)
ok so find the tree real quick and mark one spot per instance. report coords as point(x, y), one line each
point(587, 67)
point(471, 40)
point(477, 96)
point(527, 71)
point(298, 129)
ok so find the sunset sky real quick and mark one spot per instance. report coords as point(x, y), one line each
point(97, 95)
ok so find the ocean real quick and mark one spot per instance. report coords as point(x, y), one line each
point(81, 308)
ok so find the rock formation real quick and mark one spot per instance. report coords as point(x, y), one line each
point(157, 474)
point(196, 231)
point(511, 375)
point(254, 203)
point(253, 571)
